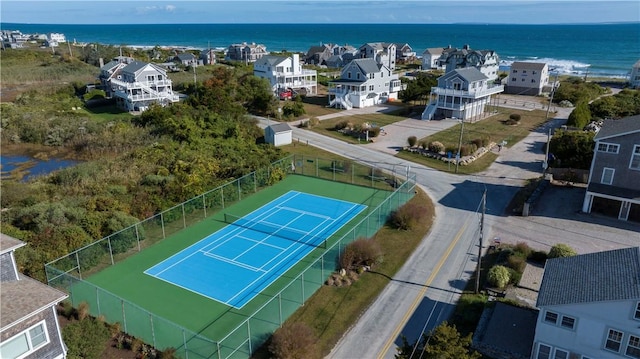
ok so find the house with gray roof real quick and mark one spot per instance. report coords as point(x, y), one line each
point(363, 83)
point(185, 59)
point(278, 134)
point(317, 55)
point(430, 58)
point(614, 177)
point(590, 307)
point(486, 61)
point(29, 325)
point(136, 84)
point(245, 52)
point(384, 53)
point(462, 94)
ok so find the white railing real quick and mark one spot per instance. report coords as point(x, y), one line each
point(474, 93)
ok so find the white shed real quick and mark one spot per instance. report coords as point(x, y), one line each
point(278, 134)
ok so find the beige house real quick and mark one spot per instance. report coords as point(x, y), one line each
point(430, 58)
point(527, 78)
point(246, 52)
point(634, 76)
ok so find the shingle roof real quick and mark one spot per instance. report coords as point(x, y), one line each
point(528, 65)
point(270, 60)
point(595, 277)
point(24, 297)
point(134, 66)
point(470, 74)
point(186, 56)
point(367, 65)
point(280, 127)
point(8, 243)
point(613, 128)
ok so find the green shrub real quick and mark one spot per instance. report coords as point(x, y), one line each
point(561, 250)
point(499, 276)
point(341, 125)
point(85, 339)
point(522, 250)
point(374, 131)
point(313, 122)
point(481, 142)
point(294, 341)
point(436, 146)
point(412, 140)
point(514, 276)
point(516, 263)
point(424, 145)
point(468, 149)
point(515, 117)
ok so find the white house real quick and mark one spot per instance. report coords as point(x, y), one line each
point(286, 72)
point(590, 307)
point(29, 325)
point(136, 84)
point(462, 94)
point(486, 61)
point(383, 53)
point(245, 52)
point(527, 78)
point(278, 134)
point(634, 76)
point(363, 83)
point(430, 58)
point(56, 37)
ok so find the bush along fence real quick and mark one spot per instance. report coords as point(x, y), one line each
point(67, 272)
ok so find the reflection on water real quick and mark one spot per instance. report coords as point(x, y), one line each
point(30, 166)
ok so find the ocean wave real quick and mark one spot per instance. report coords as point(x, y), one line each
point(565, 67)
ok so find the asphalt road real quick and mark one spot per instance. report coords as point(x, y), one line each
point(425, 290)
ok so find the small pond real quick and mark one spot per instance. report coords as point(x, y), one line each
point(29, 167)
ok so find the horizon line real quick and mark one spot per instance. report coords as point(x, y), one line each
point(337, 23)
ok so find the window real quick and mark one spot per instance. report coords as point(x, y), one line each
point(513, 79)
point(515, 71)
point(524, 71)
point(544, 352)
point(633, 347)
point(567, 322)
point(608, 147)
point(607, 175)
point(561, 354)
point(24, 343)
point(635, 162)
point(637, 314)
point(370, 87)
point(533, 80)
point(551, 317)
point(614, 339)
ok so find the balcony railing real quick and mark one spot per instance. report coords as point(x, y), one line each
point(473, 93)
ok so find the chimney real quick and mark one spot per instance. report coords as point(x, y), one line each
point(466, 47)
point(101, 62)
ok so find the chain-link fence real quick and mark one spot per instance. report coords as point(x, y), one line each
point(68, 271)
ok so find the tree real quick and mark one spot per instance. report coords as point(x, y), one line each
point(419, 88)
point(572, 149)
point(86, 338)
point(412, 140)
point(499, 276)
point(294, 341)
point(443, 342)
point(580, 116)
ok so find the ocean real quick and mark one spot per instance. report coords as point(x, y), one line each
point(600, 50)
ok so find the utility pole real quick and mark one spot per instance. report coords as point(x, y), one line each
point(545, 164)
point(459, 145)
point(478, 269)
point(553, 91)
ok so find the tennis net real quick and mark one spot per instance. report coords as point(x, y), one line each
point(291, 234)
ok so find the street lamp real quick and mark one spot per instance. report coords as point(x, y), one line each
point(545, 164)
point(459, 144)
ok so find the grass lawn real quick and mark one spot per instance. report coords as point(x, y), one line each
point(493, 128)
point(326, 127)
point(315, 106)
point(106, 113)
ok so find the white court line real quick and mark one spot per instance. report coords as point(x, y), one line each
point(227, 260)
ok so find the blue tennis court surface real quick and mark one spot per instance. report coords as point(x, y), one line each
point(237, 262)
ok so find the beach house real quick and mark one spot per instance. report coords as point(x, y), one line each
point(384, 53)
point(286, 73)
point(486, 61)
point(430, 58)
point(29, 325)
point(363, 83)
point(245, 52)
point(527, 78)
point(317, 55)
point(185, 59)
point(136, 85)
point(590, 307)
point(404, 53)
point(614, 177)
point(462, 94)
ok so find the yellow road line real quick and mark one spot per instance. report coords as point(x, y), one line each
point(419, 297)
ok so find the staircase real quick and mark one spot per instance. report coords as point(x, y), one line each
point(429, 111)
point(342, 101)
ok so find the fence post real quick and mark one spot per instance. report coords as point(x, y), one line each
point(79, 269)
point(153, 332)
point(317, 169)
point(249, 335)
point(184, 341)
point(239, 189)
point(184, 216)
point(255, 182)
point(204, 205)
point(138, 235)
point(98, 300)
point(110, 250)
point(162, 223)
point(124, 317)
point(280, 307)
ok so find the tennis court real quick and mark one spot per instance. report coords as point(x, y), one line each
point(237, 262)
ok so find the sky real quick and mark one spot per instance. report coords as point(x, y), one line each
point(313, 11)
